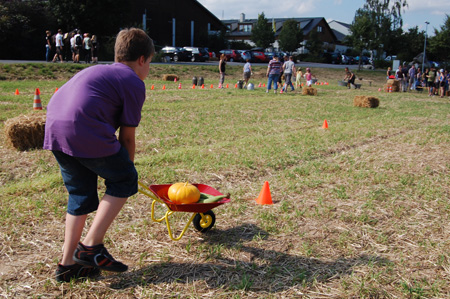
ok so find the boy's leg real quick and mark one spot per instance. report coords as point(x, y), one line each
point(72, 235)
point(107, 211)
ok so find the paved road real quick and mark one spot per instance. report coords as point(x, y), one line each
point(302, 64)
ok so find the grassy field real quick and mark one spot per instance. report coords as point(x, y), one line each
point(361, 210)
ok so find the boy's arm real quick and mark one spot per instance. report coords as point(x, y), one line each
point(127, 139)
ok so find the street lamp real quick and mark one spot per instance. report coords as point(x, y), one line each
point(425, 44)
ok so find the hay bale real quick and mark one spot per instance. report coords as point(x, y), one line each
point(26, 131)
point(393, 82)
point(169, 77)
point(366, 102)
point(394, 88)
point(309, 91)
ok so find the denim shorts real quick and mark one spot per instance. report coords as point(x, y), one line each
point(80, 176)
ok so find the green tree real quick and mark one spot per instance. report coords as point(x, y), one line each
point(439, 44)
point(100, 17)
point(314, 45)
point(414, 39)
point(362, 30)
point(387, 9)
point(262, 33)
point(291, 36)
point(22, 30)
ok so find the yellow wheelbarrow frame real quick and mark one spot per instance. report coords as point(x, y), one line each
point(202, 215)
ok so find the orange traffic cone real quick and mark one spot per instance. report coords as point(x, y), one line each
point(56, 89)
point(179, 85)
point(203, 86)
point(37, 105)
point(325, 124)
point(193, 86)
point(235, 85)
point(264, 198)
point(212, 86)
point(164, 87)
point(264, 84)
point(153, 87)
point(227, 85)
point(17, 92)
point(38, 91)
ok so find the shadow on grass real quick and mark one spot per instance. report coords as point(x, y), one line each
point(256, 269)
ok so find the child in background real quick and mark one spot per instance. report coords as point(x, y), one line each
point(298, 78)
point(308, 77)
point(82, 120)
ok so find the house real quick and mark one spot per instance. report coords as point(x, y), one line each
point(240, 30)
point(176, 22)
point(341, 30)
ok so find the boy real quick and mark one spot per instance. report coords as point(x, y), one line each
point(82, 119)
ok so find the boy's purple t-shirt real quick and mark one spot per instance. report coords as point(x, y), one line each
point(85, 113)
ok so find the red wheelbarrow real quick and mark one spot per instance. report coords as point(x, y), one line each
point(203, 217)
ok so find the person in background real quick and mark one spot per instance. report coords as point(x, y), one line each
point(418, 78)
point(308, 77)
point(222, 68)
point(400, 76)
point(80, 130)
point(442, 80)
point(298, 78)
point(430, 79)
point(87, 48)
point(78, 46)
point(289, 69)
point(350, 78)
point(247, 71)
point(94, 43)
point(59, 46)
point(411, 77)
point(273, 73)
point(388, 73)
point(48, 45)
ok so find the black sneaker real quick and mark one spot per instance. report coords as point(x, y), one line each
point(66, 273)
point(97, 256)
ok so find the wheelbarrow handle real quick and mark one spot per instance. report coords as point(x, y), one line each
point(146, 191)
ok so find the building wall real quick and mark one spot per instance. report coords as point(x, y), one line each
point(160, 15)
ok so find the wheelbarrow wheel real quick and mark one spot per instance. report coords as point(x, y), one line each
point(204, 226)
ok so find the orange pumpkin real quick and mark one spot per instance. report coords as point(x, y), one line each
point(183, 193)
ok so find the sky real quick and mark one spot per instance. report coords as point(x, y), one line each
point(417, 13)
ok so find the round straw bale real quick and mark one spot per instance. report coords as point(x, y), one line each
point(169, 77)
point(26, 131)
point(311, 91)
point(366, 102)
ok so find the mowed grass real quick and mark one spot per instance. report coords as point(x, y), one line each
point(360, 210)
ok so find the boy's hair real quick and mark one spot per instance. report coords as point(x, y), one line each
point(132, 43)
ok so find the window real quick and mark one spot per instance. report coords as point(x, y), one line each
point(319, 28)
point(245, 27)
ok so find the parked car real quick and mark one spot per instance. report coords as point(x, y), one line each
point(334, 58)
point(177, 54)
point(198, 54)
point(347, 60)
point(364, 60)
point(269, 55)
point(232, 55)
point(246, 54)
point(390, 58)
point(260, 56)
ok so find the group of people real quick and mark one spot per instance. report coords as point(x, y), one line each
point(276, 70)
point(434, 80)
point(70, 46)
